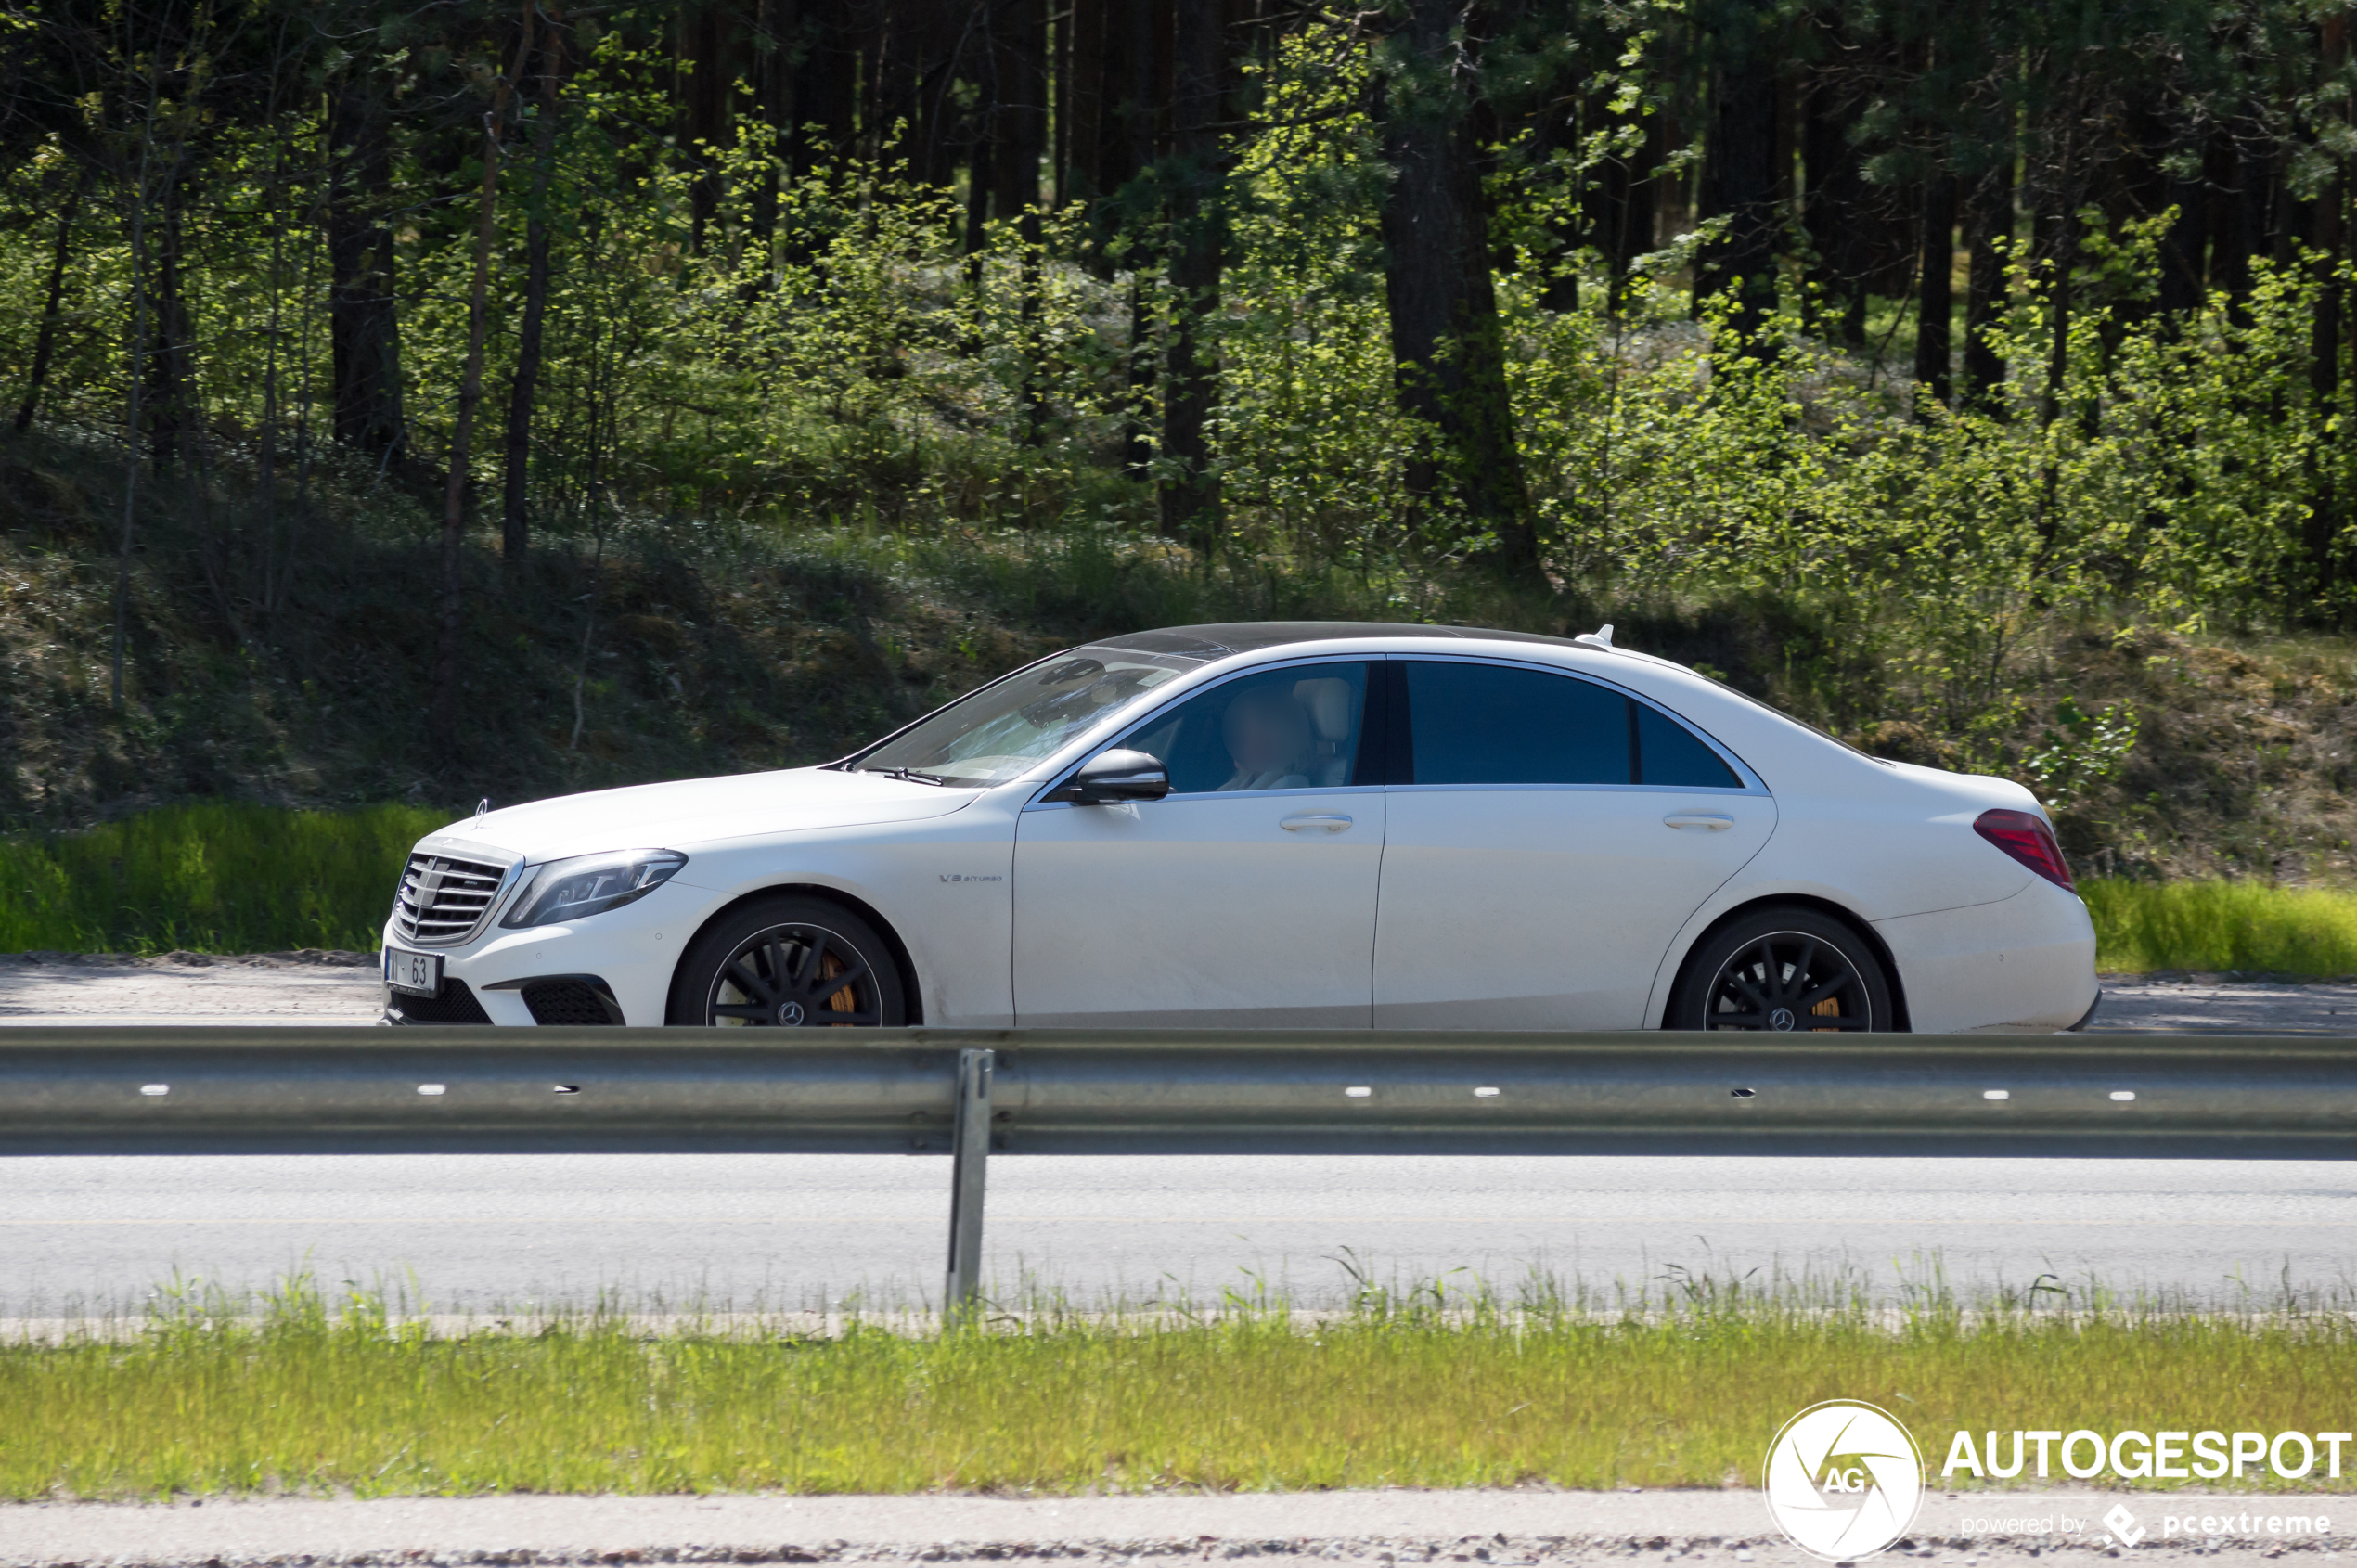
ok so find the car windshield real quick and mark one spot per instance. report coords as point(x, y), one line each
point(998, 732)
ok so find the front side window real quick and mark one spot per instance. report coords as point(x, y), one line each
point(1295, 728)
point(1006, 727)
point(1489, 723)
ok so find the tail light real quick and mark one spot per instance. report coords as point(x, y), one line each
point(2024, 836)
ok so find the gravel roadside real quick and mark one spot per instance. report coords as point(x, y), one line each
point(312, 986)
point(1499, 1528)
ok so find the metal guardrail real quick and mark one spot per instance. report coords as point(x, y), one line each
point(969, 1092)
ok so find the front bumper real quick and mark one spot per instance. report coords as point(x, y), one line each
point(619, 964)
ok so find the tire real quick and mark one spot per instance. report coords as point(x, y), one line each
point(754, 966)
point(1783, 969)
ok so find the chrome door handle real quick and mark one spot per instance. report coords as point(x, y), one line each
point(1331, 821)
point(1708, 821)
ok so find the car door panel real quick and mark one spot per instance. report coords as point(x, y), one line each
point(1244, 898)
point(1536, 907)
point(1531, 880)
point(1199, 911)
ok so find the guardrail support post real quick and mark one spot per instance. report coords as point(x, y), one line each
point(970, 1166)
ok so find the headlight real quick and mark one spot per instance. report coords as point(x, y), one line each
point(591, 884)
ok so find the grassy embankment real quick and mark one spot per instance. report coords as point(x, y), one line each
point(1674, 1396)
point(2248, 927)
point(229, 878)
point(218, 878)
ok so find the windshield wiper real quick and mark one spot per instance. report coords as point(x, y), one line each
point(910, 775)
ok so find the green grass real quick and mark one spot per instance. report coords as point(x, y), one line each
point(217, 878)
point(1673, 1395)
point(2253, 926)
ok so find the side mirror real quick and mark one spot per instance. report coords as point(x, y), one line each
point(1115, 775)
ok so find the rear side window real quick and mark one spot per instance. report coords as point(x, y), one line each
point(1671, 757)
point(1487, 724)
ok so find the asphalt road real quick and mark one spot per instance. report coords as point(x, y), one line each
point(752, 1232)
point(479, 1233)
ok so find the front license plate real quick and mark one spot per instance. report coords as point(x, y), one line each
point(413, 975)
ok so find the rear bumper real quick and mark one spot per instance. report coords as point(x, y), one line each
point(2023, 965)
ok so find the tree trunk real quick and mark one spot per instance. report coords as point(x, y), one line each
point(1125, 142)
point(2242, 166)
point(1059, 95)
point(1020, 131)
point(1140, 48)
point(1136, 450)
point(703, 59)
point(1189, 487)
point(1619, 200)
point(1989, 219)
point(774, 42)
point(515, 501)
point(2330, 232)
point(1084, 104)
point(1446, 341)
point(1022, 147)
point(2324, 506)
point(170, 382)
point(1934, 287)
point(1739, 173)
point(2182, 283)
point(2061, 265)
point(364, 333)
point(1834, 209)
point(2059, 253)
point(134, 378)
point(443, 715)
point(824, 112)
point(53, 299)
point(980, 162)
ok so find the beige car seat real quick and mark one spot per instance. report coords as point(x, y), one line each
point(1327, 701)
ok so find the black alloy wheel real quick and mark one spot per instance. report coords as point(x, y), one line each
point(788, 962)
point(1783, 971)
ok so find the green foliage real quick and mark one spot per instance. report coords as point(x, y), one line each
point(779, 373)
point(2083, 750)
point(214, 877)
point(2221, 926)
point(1438, 1386)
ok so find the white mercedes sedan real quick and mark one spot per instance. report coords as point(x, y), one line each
point(1283, 825)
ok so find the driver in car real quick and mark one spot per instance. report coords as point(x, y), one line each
point(1269, 737)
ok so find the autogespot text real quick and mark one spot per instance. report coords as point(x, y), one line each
point(2137, 1456)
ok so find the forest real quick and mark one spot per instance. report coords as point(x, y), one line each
point(424, 401)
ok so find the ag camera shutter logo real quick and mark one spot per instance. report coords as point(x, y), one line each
point(1844, 1480)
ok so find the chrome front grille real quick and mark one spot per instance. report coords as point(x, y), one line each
point(443, 899)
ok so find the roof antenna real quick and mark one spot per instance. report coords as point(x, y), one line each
point(1599, 638)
